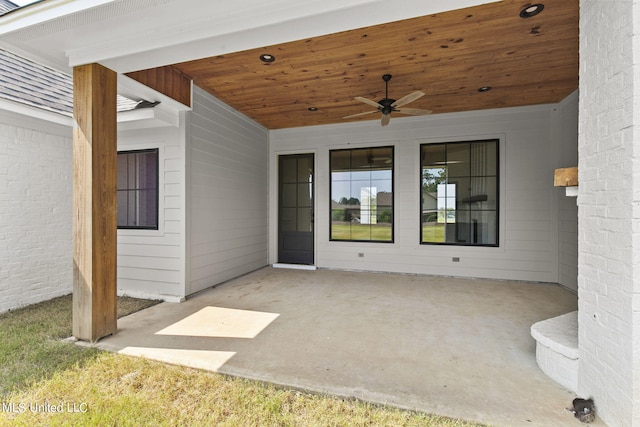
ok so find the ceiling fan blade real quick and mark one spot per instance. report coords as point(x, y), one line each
point(408, 98)
point(368, 101)
point(360, 114)
point(386, 118)
point(413, 111)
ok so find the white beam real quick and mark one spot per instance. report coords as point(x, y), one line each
point(140, 34)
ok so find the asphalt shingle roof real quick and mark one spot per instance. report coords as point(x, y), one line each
point(30, 83)
point(6, 6)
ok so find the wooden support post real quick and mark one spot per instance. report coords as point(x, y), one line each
point(94, 202)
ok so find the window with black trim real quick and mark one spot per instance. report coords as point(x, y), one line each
point(459, 203)
point(362, 194)
point(138, 189)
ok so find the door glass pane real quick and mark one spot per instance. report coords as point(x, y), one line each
point(288, 219)
point(288, 169)
point(305, 169)
point(304, 220)
point(295, 231)
point(289, 192)
point(304, 195)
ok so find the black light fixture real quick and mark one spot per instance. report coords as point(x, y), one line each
point(484, 89)
point(531, 10)
point(265, 57)
point(312, 108)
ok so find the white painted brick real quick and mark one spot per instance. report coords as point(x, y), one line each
point(35, 217)
point(561, 369)
point(609, 241)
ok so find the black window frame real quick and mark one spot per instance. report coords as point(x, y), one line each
point(393, 172)
point(497, 190)
point(155, 151)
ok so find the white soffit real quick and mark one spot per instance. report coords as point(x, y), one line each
point(128, 35)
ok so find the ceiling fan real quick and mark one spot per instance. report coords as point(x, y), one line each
point(387, 106)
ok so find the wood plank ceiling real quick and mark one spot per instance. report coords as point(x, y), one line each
point(449, 56)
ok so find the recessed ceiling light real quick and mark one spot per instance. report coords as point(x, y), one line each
point(312, 108)
point(484, 89)
point(531, 10)
point(265, 57)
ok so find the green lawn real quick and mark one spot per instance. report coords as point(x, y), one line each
point(31, 346)
point(433, 233)
point(355, 231)
point(42, 375)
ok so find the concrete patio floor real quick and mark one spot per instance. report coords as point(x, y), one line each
point(448, 346)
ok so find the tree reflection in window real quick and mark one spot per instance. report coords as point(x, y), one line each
point(459, 197)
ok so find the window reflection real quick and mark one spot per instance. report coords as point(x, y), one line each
point(460, 193)
point(362, 194)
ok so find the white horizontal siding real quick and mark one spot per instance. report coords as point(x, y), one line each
point(528, 226)
point(151, 263)
point(228, 176)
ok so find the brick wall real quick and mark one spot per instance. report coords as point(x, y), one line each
point(609, 167)
point(35, 210)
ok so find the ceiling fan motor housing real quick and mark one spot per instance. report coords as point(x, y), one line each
point(386, 105)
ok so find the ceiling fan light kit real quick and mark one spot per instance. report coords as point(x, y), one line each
point(387, 105)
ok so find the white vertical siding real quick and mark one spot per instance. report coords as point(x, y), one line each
point(151, 263)
point(36, 196)
point(528, 223)
point(227, 193)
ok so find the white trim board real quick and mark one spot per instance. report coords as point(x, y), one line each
point(295, 266)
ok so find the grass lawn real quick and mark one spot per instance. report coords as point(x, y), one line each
point(41, 375)
point(355, 231)
point(433, 233)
